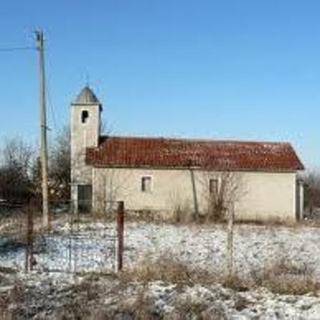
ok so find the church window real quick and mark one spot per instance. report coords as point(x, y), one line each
point(146, 184)
point(213, 186)
point(84, 116)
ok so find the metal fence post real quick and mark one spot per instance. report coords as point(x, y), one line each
point(29, 241)
point(230, 241)
point(120, 233)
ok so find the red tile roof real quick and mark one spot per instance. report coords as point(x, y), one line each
point(181, 153)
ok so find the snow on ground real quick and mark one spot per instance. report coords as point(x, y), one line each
point(205, 246)
point(51, 297)
point(91, 246)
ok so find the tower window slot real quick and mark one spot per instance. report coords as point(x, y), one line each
point(84, 116)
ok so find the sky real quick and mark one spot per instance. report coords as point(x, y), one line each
point(240, 70)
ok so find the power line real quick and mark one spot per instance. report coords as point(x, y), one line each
point(10, 49)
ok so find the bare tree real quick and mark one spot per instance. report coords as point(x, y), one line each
point(15, 170)
point(116, 185)
point(221, 191)
point(36, 177)
point(312, 191)
point(60, 167)
point(181, 207)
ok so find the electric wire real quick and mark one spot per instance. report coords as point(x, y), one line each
point(10, 49)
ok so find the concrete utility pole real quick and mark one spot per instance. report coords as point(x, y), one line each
point(43, 128)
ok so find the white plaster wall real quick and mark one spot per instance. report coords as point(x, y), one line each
point(263, 196)
point(83, 135)
point(268, 196)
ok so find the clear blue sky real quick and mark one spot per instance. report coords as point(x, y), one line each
point(206, 68)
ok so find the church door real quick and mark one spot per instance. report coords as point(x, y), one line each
point(84, 198)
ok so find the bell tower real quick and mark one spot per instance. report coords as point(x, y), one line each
point(85, 132)
point(85, 119)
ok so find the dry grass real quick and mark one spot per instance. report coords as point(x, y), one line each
point(167, 270)
point(283, 277)
point(13, 224)
point(131, 299)
point(4, 307)
point(287, 277)
point(314, 223)
point(140, 308)
point(184, 216)
point(195, 309)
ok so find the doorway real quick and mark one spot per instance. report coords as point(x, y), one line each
point(84, 198)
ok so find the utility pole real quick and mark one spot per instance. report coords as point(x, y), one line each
point(43, 129)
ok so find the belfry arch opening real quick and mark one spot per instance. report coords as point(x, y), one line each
point(84, 116)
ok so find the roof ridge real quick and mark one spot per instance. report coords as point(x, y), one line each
point(195, 139)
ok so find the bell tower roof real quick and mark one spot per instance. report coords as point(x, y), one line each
point(86, 97)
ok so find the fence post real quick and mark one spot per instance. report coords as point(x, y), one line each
point(29, 243)
point(120, 233)
point(230, 242)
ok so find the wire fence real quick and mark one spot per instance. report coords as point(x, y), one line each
point(76, 242)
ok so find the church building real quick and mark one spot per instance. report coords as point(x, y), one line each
point(166, 176)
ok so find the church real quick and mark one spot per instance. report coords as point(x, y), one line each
point(164, 176)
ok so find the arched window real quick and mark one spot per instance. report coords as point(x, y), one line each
point(84, 116)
